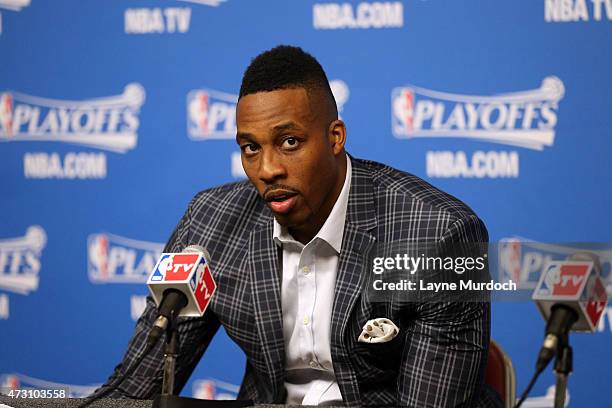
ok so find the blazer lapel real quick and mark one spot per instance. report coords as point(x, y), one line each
point(357, 242)
point(266, 293)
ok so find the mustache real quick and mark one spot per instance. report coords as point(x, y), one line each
point(275, 187)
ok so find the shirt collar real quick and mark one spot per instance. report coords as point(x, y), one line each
point(332, 230)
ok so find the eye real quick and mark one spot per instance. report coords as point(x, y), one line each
point(248, 149)
point(290, 143)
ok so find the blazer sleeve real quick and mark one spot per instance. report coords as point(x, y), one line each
point(446, 347)
point(194, 336)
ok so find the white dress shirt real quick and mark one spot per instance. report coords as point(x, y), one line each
point(307, 296)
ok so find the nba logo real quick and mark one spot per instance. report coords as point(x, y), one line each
point(6, 113)
point(204, 389)
point(211, 114)
point(165, 264)
point(403, 110)
point(198, 107)
point(552, 277)
point(197, 277)
point(10, 382)
point(98, 255)
point(510, 259)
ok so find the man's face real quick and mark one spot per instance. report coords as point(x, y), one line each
point(294, 155)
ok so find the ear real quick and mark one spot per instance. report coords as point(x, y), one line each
point(337, 136)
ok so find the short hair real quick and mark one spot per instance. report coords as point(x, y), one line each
point(286, 67)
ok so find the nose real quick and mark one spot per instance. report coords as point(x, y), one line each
point(271, 167)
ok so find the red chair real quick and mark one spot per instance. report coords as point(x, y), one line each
point(500, 374)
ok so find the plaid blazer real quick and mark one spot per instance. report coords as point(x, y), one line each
point(437, 360)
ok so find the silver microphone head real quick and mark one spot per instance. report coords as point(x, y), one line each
point(586, 256)
point(197, 249)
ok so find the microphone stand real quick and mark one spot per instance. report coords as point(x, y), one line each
point(170, 356)
point(167, 399)
point(563, 368)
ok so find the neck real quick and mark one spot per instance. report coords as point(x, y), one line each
point(305, 233)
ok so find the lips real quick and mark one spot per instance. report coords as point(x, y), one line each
point(281, 201)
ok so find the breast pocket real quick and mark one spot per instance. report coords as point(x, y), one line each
point(376, 357)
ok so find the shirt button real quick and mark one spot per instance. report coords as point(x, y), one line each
point(306, 320)
point(313, 364)
point(306, 270)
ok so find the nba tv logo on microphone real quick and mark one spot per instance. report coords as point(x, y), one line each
point(573, 282)
point(563, 279)
point(176, 267)
point(187, 272)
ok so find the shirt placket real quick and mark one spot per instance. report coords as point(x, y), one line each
point(308, 291)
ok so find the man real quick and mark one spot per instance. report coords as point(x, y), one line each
point(288, 250)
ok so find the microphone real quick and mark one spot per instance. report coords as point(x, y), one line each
point(181, 285)
point(570, 296)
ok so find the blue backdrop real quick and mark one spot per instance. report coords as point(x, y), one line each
point(113, 114)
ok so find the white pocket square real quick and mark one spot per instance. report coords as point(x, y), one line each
point(379, 330)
